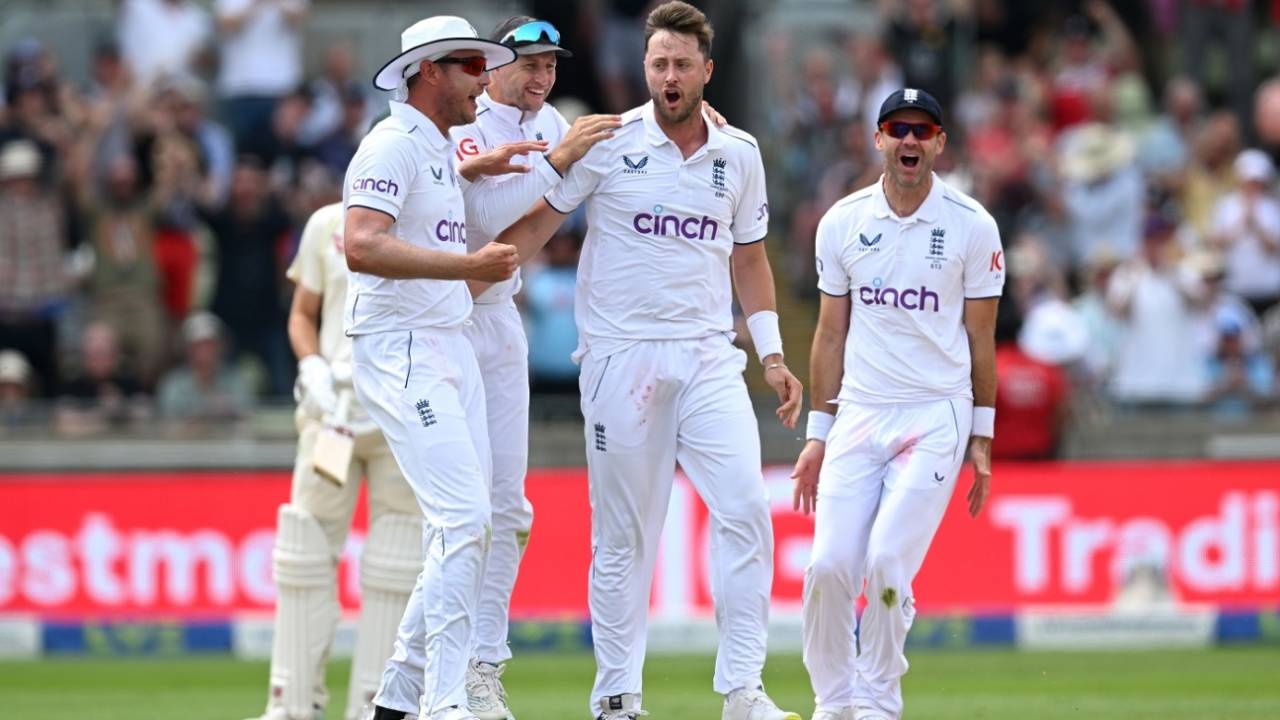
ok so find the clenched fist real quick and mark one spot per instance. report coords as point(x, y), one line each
point(494, 262)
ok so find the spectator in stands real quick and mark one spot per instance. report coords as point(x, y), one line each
point(185, 98)
point(205, 392)
point(123, 286)
point(330, 94)
point(1211, 175)
point(34, 106)
point(33, 280)
point(1159, 363)
point(925, 43)
point(548, 305)
point(336, 149)
point(1103, 328)
point(280, 146)
point(250, 288)
point(1032, 398)
point(1103, 192)
point(162, 36)
point(619, 43)
point(104, 395)
point(1246, 229)
point(1241, 377)
point(1165, 148)
point(16, 409)
point(261, 52)
point(874, 78)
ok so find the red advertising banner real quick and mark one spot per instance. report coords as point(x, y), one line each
point(199, 544)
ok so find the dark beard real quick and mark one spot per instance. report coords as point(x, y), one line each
point(660, 105)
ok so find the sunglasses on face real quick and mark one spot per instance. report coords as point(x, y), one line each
point(475, 65)
point(899, 130)
point(532, 32)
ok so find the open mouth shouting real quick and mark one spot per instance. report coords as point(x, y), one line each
point(672, 96)
point(909, 161)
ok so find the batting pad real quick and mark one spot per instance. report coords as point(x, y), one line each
point(307, 613)
point(389, 567)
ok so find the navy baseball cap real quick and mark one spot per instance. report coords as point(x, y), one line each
point(529, 36)
point(910, 99)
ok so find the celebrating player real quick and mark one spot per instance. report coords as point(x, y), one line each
point(671, 200)
point(910, 271)
point(414, 371)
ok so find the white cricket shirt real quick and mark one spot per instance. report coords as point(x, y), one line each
point(661, 228)
point(405, 168)
point(494, 202)
point(908, 278)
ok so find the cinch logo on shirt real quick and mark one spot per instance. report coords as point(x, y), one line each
point(451, 231)
point(382, 186)
point(689, 228)
point(909, 299)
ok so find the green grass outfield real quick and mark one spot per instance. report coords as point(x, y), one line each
point(1235, 684)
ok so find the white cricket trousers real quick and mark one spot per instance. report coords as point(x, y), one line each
point(885, 482)
point(502, 352)
point(423, 389)
point(647, 407)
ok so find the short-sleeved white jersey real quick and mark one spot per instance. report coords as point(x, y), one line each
point(661, 228)
point(321, 267)
point(494, 202)
point(908, 278)
point(405, 168)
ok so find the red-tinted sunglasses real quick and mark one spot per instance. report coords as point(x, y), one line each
point(474, 65)
point(898, 129)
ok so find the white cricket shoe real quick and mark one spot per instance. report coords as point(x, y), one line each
point(620, 707)
point(486, 697)
point(864, 712)
point(753, 704)
point(844, 713)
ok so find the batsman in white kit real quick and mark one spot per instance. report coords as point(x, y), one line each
point(414, 370)
point(337, 445)
point(505, 171)
point(903, 381)
point(671, 201)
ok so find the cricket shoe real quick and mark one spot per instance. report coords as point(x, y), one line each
point(486, 697)
point(620, 707)
point(864, 712)
point(844, 713)
point(753, 704)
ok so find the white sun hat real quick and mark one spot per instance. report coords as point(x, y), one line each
point(432, 39)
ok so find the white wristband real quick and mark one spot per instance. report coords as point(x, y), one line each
point(984, 422)
point(819, 425)
point(765, 333)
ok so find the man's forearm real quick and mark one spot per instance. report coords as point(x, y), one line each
point(982, 355)
point(826, 370)
point(754, 281)
point(304, 335)
point(390, 257)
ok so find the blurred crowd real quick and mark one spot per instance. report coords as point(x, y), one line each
point(1126, 150)
point(1135, 191)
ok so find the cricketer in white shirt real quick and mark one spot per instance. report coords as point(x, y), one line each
point(662, 383)
point(910, 271)
point(670, 199)
point(414, 371)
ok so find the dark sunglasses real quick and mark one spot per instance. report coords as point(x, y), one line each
point(475, 65)
point(532, 32)
point(899, 130)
